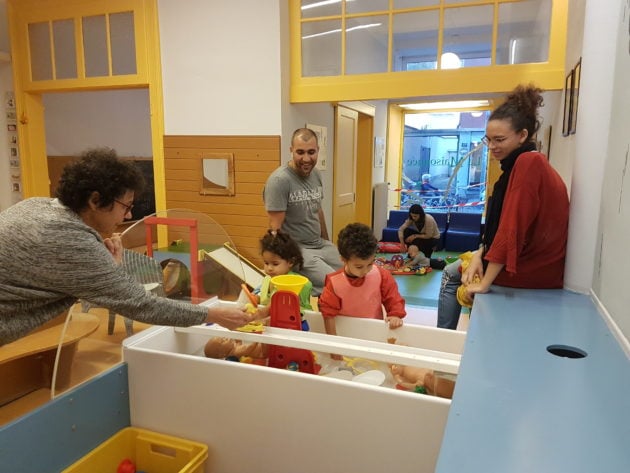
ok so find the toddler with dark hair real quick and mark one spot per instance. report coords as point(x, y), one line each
point(281, 255)
point(360, 289)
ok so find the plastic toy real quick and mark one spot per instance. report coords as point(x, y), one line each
point(126, 466)
point(394, 267)
point(416, 379)
point(223, 348)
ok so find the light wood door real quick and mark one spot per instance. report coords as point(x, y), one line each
point(345, 160)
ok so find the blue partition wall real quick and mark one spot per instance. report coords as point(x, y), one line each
point(57, 434)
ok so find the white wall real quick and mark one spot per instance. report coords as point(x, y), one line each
point(591, 139)
point(221, 67)
point(117, 119)
point(612, 161)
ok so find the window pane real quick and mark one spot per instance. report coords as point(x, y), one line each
point(398, 4)
point(366, 44)
point(315, 8)
point(321, 48)
point(415, 41)
point(39, 43)
point(95, 46)
point(123, 43)
point(433, 145)
point(524, 32)
point(366, 6)
point(65, 49)
point(468, 35)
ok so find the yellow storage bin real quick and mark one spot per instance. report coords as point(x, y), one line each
point(149, 451)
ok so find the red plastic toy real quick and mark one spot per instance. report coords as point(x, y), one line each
point(126, 466)
point(285, 313)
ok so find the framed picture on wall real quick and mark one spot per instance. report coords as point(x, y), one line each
point(575, 94)
point(566, 118)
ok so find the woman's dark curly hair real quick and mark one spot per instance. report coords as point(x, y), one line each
point(281, 244)
point(521, 108)
point(98, 170)
point(357, 239)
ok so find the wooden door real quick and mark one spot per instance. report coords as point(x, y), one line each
point(344, 169)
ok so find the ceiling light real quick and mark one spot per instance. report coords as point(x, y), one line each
point(450, 61)
point(456, 105)
point(320, 4)
point(338, 30)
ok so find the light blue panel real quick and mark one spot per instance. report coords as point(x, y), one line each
point(519, 409)
point(57, 434)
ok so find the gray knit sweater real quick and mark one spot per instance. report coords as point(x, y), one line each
point(49, 258)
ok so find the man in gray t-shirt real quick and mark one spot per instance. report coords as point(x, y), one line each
point(293, 195)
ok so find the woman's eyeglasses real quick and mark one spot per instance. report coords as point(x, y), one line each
point(127, 207)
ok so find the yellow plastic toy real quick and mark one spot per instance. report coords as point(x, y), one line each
point(289, 282)
point(462, 297)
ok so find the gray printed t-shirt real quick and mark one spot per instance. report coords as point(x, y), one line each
point(300, 197)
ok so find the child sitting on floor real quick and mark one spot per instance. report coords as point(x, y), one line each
point(417, 259)
point(281, 255)
point(360, 289)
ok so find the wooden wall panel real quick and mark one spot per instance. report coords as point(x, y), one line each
point(242, 215)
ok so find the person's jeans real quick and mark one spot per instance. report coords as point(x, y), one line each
point(448, 307)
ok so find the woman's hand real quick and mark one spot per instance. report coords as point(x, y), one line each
point(476, 288)
point(411, 238)
point(115, 247)
point(228, 317)
point(475, 268)
point(403, 247)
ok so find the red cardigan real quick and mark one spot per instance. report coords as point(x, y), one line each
point(531, 240)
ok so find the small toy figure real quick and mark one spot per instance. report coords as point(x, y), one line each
point(411, 378)
point(223, 347)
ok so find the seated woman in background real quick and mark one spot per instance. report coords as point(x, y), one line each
point(419, 229)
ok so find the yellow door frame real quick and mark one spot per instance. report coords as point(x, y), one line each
point(28, 93)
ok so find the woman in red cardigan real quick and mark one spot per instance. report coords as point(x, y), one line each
point(525, 237)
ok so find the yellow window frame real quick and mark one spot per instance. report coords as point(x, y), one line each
point(392, 85)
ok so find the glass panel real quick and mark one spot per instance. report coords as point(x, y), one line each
point(315, 8)
point(95, 46)
point(365, 6)
point(65, 49)
point(123, 42)
point(433, 145)
point(524, 32)
point(39, 43)
point(366, 44)
point(321, 48)
point(468, 35)
point(415, 41)
point(414, 3)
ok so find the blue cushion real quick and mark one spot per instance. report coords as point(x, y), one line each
point(463, 232)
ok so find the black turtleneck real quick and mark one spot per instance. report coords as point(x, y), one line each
point(495, 202)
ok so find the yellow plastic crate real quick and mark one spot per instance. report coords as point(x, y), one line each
point(151, 452)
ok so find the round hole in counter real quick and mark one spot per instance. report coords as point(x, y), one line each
point(566, 351)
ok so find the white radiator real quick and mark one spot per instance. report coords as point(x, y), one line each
point(379, 212)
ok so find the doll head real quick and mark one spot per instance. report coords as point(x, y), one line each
point(219, 347)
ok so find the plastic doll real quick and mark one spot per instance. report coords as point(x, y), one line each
point(228, 348)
